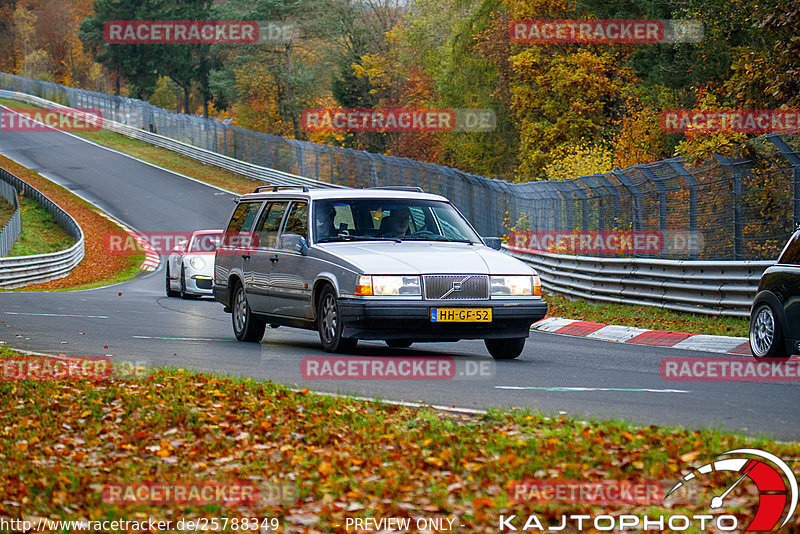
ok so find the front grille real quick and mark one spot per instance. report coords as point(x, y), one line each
point(467, 286)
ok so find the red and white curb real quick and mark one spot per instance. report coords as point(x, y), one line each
point(151, 258)
point(642, 336)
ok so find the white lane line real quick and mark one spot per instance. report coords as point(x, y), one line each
point(182, 338)
point(566, 388)
point(58, 315)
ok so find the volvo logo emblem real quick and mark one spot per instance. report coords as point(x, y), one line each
point(456, 286)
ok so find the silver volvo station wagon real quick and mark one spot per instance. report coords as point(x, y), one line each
point(392, 264)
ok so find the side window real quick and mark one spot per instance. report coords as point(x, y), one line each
point(266, 229)
point(297, 220)
point(241, 222)
point(791, 254)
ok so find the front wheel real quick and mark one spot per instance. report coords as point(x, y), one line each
point(330, 325)
point(246, 326)
point(766, 337)
point(505, 349)
point(170, 292)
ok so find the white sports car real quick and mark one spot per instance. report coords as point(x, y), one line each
point(190, 268)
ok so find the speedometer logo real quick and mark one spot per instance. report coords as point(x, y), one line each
point(775, 481)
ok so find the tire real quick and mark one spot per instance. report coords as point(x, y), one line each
point(183, 293)
point(399, 343)
point(246, 326)
point(505, 349)
point(766, 337)
point(329, 325)
point(170, 292)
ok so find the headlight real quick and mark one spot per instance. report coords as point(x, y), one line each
point(514, 286)
point(388, 285)
point(197, 263)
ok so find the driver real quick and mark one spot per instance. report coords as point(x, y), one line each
point(398, 222)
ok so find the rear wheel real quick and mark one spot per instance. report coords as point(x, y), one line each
point(246, 326)
point(399, 343)
point(505, 349)
point(766, 337)
point(330, 325)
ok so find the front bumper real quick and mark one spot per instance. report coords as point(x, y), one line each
point(199, 285)
point(404, 319)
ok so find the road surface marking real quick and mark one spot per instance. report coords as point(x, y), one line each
point(59, 315)
point(182, 338)
point(565, 388)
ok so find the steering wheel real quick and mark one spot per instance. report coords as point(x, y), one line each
point(422, 233)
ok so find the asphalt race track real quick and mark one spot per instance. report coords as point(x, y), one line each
point(595, 379)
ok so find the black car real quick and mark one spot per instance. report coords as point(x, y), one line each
point(775, 314)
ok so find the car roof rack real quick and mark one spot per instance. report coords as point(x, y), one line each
point(276, 188)
point(414, 188)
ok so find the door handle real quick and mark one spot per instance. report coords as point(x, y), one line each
point(245, 256)
point(274, 259)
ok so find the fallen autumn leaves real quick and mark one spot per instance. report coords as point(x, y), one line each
point(61, 442)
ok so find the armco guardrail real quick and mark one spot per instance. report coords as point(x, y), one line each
point(707, 287)
point(11, 229)
point(264, 174)
point(23, 270)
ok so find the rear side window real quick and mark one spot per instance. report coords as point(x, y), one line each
point(268, 224)
point(297, 220)
point(791, 254)
point(241, 222)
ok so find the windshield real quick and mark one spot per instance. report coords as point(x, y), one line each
point(204, 242)
point(378, 219)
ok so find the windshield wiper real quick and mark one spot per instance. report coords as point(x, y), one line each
point(357, 238)
point(441, 239)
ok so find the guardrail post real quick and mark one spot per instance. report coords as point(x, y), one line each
point(636, 195)
point(794, 161)
point(738, 239)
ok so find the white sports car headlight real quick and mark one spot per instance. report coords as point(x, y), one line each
point(512, 286)
point(197, 263)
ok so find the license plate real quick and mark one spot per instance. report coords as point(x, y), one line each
point(461, 315)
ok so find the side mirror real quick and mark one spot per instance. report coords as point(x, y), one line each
point(294, 243)
point(493, 242)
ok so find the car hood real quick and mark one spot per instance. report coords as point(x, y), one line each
point(425, 258)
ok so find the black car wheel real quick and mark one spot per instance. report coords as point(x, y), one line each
point(766, 337)
point(330, 325)
point(170, 292)
point(505, 349)
point(399, 343)
point(184, 294)
point(246, 326)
